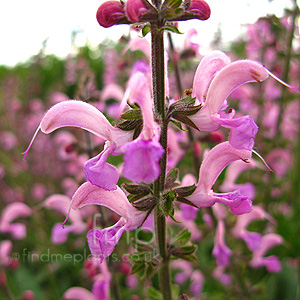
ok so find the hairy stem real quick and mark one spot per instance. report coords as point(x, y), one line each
point(158, 82)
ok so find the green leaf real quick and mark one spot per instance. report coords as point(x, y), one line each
point(178, 124)
point(170, 28)
point(137, 267)
point(145, 30)
point(154, 294)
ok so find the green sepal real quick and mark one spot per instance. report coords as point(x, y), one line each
point(185, 191)
point(136, 188)
point(190, 258)
point(172, 178)
point(182, 238)
point(145, 204)
point(185, 201)
point(132, 114)
point(178, 124)
point(151, 269)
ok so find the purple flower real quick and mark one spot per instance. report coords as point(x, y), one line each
point(102, 242)
point(213, 164)
point(142, 156)
point(221, 251)
point(252, 239)
point(141, 160)
point(272, 262)
point(83, 115)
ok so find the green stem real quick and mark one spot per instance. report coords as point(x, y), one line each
point(158, 82)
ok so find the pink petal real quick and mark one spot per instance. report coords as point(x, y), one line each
point(13, 211)
point(229, 78)
point(116, 200)
point(205, 72)
point(78, 293)
point(216, 160)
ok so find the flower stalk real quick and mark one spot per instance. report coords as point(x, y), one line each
point(158, 80)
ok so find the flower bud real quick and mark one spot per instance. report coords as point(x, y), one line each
point(111, 13)
point(200, 9)
point(140, 10)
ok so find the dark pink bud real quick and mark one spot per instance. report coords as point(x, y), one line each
point(137, 9)
point(110, 13)
point(200, 9)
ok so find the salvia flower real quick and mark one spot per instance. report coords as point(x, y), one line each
point(214, 80)
point(61, 204)
point(80, 114)
point(221, 251)
point(9, 214)
point(259, 259)
point(102, 242)
point(213, 164)
point(146, 147)
point(252, 239)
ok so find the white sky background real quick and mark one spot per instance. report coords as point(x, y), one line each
point(25, 24)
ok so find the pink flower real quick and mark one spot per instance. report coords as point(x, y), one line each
point(272, 262)
point(213, 164)
point(10, 213)
point(78, 293)
point(61, 204)
point(252, 239)
point(102, 242)
point(214, 80)
point(221, 251)
point(5, 250)
point(83, 115)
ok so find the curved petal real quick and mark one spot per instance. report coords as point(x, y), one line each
point(231, 77)
point(207, 69)
point(76, 114)
point(61, 203)
point(13, 211)
point(80, 114)
point(116, 200)
point(215, 161)
point(78, 293)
